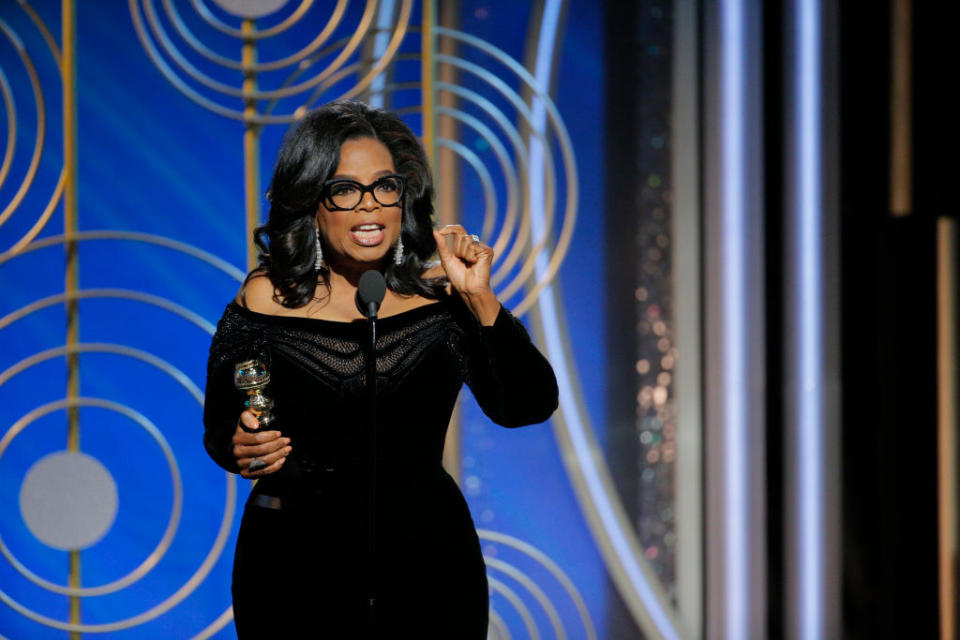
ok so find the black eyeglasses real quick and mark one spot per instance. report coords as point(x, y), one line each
point(345, 195)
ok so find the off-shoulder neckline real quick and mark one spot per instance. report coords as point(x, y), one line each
point(414, 313)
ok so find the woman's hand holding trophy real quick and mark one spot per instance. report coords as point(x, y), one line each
point(258, 450)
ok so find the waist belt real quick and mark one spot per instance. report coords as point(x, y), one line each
point(267, 502)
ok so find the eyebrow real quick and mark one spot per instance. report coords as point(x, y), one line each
point(376, 176)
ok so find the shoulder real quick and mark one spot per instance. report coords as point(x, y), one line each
point(238, 335)
point(257, 294)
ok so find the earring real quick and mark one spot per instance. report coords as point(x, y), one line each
point(398, 252)
point(318, 264)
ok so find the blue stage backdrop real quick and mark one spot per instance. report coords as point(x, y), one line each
point(115, 522)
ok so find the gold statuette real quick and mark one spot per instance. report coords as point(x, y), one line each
point(252, 376)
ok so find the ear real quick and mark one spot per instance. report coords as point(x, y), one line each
point(318, 227)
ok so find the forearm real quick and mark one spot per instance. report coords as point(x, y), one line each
point(512, 381)
point(221, 409)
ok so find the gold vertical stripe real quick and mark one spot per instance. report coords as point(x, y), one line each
point(251, 141)
point(71, 278)
point(75, 600)
point(427, 78)
point(71, 283)
point(446, 163)
point(947, 421)
point(446, 175)
point(901, 144)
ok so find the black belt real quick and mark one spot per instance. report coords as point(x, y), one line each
point(318, 487)
point(267, 502)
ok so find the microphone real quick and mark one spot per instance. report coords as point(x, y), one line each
point(370, 293)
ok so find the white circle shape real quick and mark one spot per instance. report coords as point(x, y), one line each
point(250, 8)
point(68, 500)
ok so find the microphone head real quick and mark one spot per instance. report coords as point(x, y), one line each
point(370, 293)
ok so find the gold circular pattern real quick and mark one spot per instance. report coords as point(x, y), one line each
point(173, 521)
point(523, 579)
point(171, 601)
point(534, 235)
point(200, 86)
point(227, 520)
point(33, 166)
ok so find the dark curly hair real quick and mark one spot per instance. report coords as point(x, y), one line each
point(308, 157)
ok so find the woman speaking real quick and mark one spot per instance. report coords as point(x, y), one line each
point(351, 192)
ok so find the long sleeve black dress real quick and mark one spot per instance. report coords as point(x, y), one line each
point(301, 560)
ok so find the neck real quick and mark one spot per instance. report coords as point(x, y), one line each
point(348, 275)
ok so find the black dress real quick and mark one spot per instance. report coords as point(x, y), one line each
point(300, 568)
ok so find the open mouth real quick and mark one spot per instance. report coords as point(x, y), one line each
point(367, 235)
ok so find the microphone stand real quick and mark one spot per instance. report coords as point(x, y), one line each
point(370, 292)
point(371, 366)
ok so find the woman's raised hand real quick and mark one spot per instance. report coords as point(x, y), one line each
point(467, 263)
point(268, 446)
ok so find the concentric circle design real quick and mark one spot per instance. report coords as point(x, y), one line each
point(7, 209)
point(51, 469)
point(185, 590)
point(173, 520)
point(322, 69)
point(523, 228)
point(68, 500)
point(511, 583)
point(498, 628)
point(506, 127)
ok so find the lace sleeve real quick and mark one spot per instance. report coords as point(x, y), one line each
point(511, 380)
point(235, 340)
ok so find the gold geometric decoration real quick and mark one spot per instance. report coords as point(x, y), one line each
point(75, 402)
point(26, 181)
point(529, 231)
point(305, 74)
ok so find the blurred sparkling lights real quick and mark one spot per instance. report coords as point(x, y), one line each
point(656, 350)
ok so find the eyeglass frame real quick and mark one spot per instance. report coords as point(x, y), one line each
point(326, 200)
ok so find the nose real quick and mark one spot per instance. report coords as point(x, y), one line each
point(367, 201)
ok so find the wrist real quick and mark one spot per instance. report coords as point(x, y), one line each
point(484, 306)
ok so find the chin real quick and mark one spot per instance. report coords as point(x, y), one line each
point(372, 256)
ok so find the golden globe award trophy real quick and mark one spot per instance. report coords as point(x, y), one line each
point(252, 376)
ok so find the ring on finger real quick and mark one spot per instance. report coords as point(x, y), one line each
point(256, 464)
point(475, 238)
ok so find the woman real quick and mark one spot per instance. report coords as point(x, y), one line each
point(351, 192)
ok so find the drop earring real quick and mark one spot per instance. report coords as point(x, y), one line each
point(318, 264)
point(398, 252)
